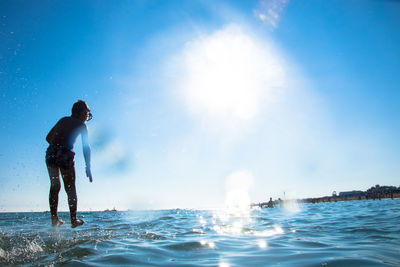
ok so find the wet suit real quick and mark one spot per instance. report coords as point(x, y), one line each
point(60, 158)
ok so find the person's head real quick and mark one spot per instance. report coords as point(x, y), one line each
point(81, 111)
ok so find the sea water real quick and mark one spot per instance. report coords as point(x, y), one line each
point(353, 233)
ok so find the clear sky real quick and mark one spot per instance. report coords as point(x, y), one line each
point(199, 104)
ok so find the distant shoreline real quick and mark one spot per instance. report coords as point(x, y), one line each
point(348, 198)
point(376, 192)
point(321, 200)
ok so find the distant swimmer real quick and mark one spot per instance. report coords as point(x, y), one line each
point(60, 158)
point(270, 203)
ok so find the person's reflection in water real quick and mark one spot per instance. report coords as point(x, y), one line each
point(60, 158)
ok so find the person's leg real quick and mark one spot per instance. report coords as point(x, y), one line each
point(55, 186)
point(68, 175)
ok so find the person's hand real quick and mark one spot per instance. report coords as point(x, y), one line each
point(89, 174)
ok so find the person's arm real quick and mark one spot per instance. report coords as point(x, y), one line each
point(86, 153)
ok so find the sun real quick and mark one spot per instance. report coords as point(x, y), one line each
point(229, 74)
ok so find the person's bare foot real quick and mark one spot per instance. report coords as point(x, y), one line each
point(57, 222)
point(77, 223)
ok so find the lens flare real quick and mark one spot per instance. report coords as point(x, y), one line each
point(237, 192)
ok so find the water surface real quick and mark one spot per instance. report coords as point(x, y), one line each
point(354, 233)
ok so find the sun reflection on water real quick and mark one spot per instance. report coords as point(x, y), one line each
point(266, 233)
point(262, 244)
point(226, 222)
point(210, 244)
point(237, 218)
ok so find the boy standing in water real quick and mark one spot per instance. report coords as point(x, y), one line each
point(60, 158)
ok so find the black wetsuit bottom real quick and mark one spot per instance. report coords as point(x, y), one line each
point(60, 160)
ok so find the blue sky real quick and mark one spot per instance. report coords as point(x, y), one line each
point(198, 103)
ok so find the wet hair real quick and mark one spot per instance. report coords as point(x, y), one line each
point(78, 107)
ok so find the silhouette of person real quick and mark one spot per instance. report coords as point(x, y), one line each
point(270, 203)
point(60, 158)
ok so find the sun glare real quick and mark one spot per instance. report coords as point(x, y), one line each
point(230, 74)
